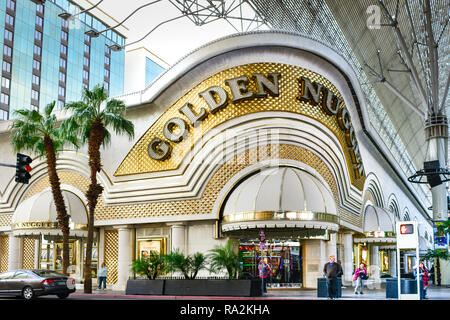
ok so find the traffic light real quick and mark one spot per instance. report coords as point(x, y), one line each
point(23, 168)
point(406, 229)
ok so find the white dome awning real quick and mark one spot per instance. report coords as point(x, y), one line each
point(377, 219)
point(281, 197)
point(37, 215)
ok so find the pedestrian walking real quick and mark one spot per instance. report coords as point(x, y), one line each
point(424, 275)
point(332, 271)
point(341, 273)
point(102, 274)
point(263, 269)
point(360, 275)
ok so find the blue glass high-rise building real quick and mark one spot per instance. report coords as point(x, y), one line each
point(46, 58)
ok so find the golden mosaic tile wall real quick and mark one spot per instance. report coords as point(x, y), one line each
point(138, 161)
point(112, 254)
point(5, 219)
point(205, 204)
point(28, 253)
point(4, 251)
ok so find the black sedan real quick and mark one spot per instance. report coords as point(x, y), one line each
point(32, 283)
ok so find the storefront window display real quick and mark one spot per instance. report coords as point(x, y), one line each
point(145, 245)
point(384, 261)
point(283, 257)
point(94, 259)
point(51, 254)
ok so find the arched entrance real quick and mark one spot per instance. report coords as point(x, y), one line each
point(274, 213)
point(36, 218)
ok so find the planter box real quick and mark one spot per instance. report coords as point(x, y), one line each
point(214, 287)
point(145, 286)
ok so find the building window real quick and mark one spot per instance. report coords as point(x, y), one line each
point(9, 19)
point(62, 63)
point(40, 8)
point(60, 104)
point(86, 48)
point(3, 115)
point(106, 73)
point(64, 35)
point(34, 94)
point(61, 91)
point(6, 66)
point(107, 60)
point(38, 35)
point(85, 61)
point(106, 86)
point(7, 51)
point(8, 35)
point(39, 21)
point(4, 98)
point(62, 77)
point(63, 49)
point(36, 65)
point(87, 38)
point(36, 79)
point(10, 5)
point(37, 50)
point(5, 82)
point(85, 75)
point(64, 23)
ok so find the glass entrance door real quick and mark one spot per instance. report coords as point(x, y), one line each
point(284, 258)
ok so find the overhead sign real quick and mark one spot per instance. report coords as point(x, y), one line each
point(236, 92)
point(315, 94)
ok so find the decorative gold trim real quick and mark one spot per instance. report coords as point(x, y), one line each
point(281, 215)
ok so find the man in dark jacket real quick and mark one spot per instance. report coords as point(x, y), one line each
point(332, 270)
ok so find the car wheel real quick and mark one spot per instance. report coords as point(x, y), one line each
point(62, 295)
point(27, 293)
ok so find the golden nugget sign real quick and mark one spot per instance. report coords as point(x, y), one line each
point(249, 87)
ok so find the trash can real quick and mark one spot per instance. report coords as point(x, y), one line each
point(407, 286)
point(322, 290)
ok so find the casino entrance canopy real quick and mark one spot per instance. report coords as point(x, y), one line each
point(279, 198)
point(37, 216)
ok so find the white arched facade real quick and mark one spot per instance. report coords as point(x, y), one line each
point(134, 207)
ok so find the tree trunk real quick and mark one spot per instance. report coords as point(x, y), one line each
point(63, 218)
point(94, 191)
point(438, 272)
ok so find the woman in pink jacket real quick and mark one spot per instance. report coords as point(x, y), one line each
point(359, 276)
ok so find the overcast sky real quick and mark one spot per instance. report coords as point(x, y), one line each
point(172, 40)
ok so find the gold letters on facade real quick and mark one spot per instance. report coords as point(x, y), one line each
point(243, 90)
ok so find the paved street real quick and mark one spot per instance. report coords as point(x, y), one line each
point(434, 293)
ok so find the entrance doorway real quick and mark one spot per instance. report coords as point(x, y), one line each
point(51, 255)
point(284, 258)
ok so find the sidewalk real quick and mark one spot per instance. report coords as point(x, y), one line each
point(434, 293)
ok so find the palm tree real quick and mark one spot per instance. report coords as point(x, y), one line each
point(436, 256)
point(39, 133)
point(93, 115)
point(189, 265)
point(226, 257)
point(150, 266)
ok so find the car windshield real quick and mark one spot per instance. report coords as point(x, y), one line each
point(47, 273)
